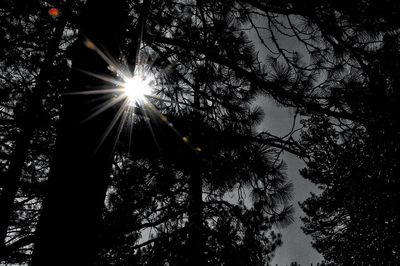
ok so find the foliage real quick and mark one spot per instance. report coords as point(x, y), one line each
point(342, 79)
point(345, 87)
point(32, 77)
point(354, 221)
point(225, 120)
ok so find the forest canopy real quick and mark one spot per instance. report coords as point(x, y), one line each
point(129, 133)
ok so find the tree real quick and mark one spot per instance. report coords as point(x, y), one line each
point(28, 114)
point(77, 181)
point(348, 57)
point(347, 88)
point(54, 197)
point(354, 220)
point(234, 231)
point(213, 133)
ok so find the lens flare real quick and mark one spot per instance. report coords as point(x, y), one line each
point(136, 89)
point(54, 12)
point(133, 90)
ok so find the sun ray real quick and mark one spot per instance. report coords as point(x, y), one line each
point(121, 124)
point(112, 124)
point(100, 100)
point(100, 91)
point(108, 79)
point(130, 130)
point(113, 64)
point(135, 90)
point(112, 102)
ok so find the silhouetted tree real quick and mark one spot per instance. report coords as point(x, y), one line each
point(28, 113)
point(212, 101)
point(71, 216)
point(354, 221)
point(346, 88)
point(58, 200)
point(233, 231)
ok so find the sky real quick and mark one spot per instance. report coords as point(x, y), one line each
point(278, 120)
point(296, 245)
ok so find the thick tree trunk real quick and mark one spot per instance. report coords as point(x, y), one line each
point(70, 221)
point(196, 238)
point(196, 234)
point(28, 124)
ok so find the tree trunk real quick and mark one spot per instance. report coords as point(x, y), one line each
point(71, 217)
point(196, 237)
point(28, 122)
point(197, 245)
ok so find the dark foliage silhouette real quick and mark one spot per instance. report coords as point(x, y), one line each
point(155, 189)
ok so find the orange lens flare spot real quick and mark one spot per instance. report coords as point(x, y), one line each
point(89, 44)
point(54, 12)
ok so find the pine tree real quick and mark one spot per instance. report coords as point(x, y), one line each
point(28, 115)
point(346, 90)
point(71, 214)
point(208, 107)
point(354, 220)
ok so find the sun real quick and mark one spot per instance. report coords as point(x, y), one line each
point(136, 89)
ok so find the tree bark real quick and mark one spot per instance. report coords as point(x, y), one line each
point(195, 214)
point(196, 237)
point(68, 229)
point(11, 179)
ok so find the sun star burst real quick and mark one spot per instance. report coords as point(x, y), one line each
point(136, 89)
point(130, 89)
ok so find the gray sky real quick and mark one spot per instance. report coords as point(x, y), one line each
point(278, 121)
point(296, 245)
